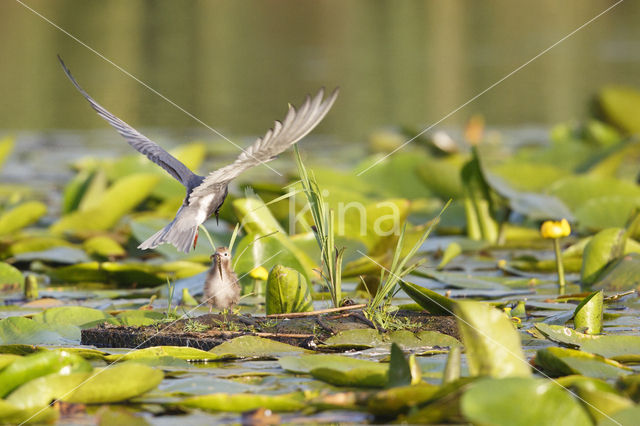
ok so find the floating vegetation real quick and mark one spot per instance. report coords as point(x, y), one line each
point(353, 299)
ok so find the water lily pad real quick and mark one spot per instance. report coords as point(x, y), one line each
point(245, 402)
point(492, 343)
point(461, 280)
point(181, 352)
point(39, 364)
point(62, 255)
point(609, 346)
point(110, 272)
point(34, 244)
point(70, 315)
point(621, 106)
point(520, 401)
point(356, 377)
point(103, 247)
point(115, 384)
point(356, 339)
point(21, 216)
point(390, 402)
point(576, 190)
point(139, 318)
point(604, 247)
point(621, 275)
point(427, 299)
point(10, 277)
point(117, 201)
point(254, 347)
point(606, 212)
point(563, 361)
point(26, 331)
point(529, 177)
point(305, 363)
point(626, 417)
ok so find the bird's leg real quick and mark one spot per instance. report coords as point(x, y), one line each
point(210, 308)
point(195, 240)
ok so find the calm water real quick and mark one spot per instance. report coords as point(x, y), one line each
point(235, 65)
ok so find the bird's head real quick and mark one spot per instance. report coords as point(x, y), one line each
point(221, 254)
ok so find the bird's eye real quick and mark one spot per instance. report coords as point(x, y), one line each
point(226, 254)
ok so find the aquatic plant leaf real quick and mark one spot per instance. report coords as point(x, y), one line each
point(287, 291)
point(604, 247)
point(242, 402)
point(254, 347)
point(429, 300)
point(599, 398)
point(460, 280)
point(491, 341)
point(10, 277)
point(96, 186)
point(257, 220)
point(70, 315)
point(103, 247)
point(26, 331)
point(396, 176)
point(356, 377)
point(181, 352)
point(520, 401)
point(41, 391)
point(576, 190)
point(453, 250)
point(356, 339)
point(109, 272)
point(21, 216)
point(621, 275)
point(40, 364)
point(621, 106)
point(34, 244)
point(606, 212)
point(6, 359)
point(61, 255)
point(6, 147)
point(139, 318)
point(589, 313)
point(628, 416)
point(115, 384)
point(10, 414)
point(563, 362)
point(442, 176)
point(608, 346)
point(117, 201)
point(305, 363)
point(400, 372)
point(391, 402)
point(529, 177)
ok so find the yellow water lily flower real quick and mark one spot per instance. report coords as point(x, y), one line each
point(555, 229)
point(259, 273)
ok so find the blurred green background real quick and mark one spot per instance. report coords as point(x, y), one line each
point(235, 65)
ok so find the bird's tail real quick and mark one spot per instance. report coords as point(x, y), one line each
point(175, 233)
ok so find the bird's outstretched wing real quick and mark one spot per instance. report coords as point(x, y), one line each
point(296, 125)
point(136, 139)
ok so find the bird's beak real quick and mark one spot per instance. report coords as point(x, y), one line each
point(219, 263)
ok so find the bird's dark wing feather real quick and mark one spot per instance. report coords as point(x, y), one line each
point(296, 125)
point(136, 139)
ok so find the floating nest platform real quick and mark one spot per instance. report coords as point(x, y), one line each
point(304, 330)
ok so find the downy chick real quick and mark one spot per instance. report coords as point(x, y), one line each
point(221, 288)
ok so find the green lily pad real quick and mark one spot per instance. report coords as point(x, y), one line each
point(117, 201)
point(138, 318)
point(520, 401)
point(356, 339)
point(563, 361)
point(529, 177)
point(62, 255)
point(303, 364)
point(35, 244)
point(103, 247)
point(6, 146)
point(21, 216)
point(491, 341)
point(39, 364)
point(70, 315)
point(621, 106)
point(608, 346)
point(10, 277)
point(254, 347)
point(116, 384)
point(356, 377)
point(287, 291)
point(626, 417)
point(604, 247)
point(391, 402)
point(26, 331)
point(181, 352)
point(245, 402)
point(609, 211)
point(576, 190)
point(620, 275)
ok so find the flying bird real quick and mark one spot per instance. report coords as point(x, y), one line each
point(221, 288)
point(205, 194)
